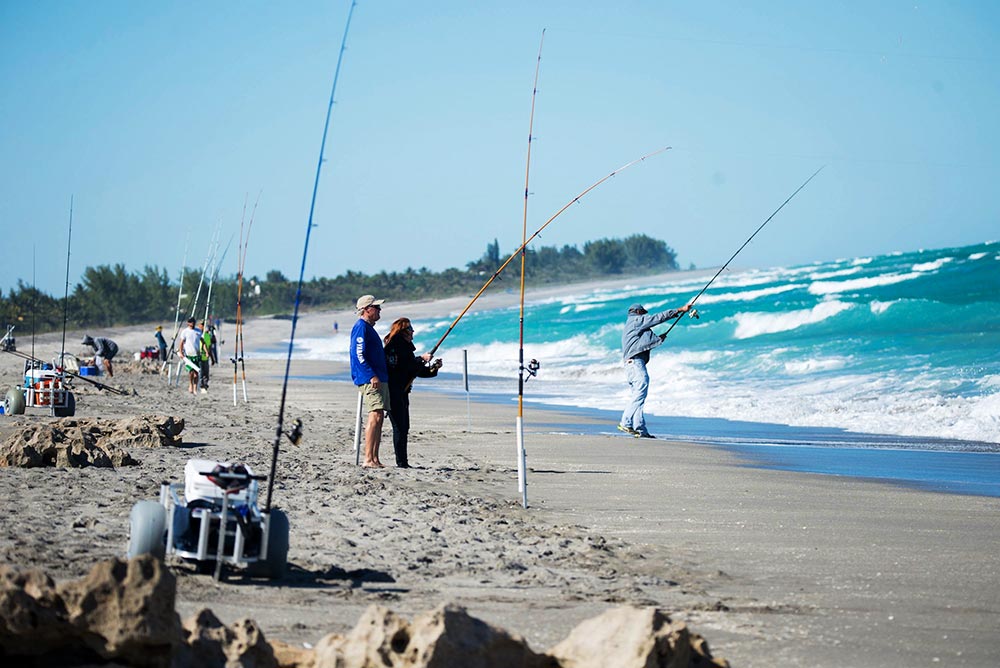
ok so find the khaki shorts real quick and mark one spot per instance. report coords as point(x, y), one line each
point(375, 400)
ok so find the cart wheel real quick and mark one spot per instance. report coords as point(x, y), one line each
point(147, 529)
point(274, 566)
point(13, 402)
point(69, 410)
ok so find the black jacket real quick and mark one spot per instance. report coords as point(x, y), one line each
point(403, 365)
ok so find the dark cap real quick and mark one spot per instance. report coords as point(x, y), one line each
point(190, 321)
point(636, 308)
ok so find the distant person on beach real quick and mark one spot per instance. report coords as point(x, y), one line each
point(638, 340)
point(369, 373)
point(403, 367)
point(190, 352)
point(104, 351)
point(204, 354)
point(213, 349)
point(161, 343)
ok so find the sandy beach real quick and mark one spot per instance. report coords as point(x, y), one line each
point(772, 568)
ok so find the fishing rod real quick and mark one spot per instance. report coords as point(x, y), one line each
point(213, 248)
point(522, 470)
point(295, 435)
point(532, 237)
point(215, 275)
point(99, 385)
point(177, 312)
point(61, 367)
point(238, 356)
point(69, 246)
point(694, 314)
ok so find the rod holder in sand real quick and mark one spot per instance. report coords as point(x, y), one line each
point(465, 380)
point(357, 432)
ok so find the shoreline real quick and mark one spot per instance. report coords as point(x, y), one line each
point(769, 566)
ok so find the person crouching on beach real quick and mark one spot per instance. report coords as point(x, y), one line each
point(404, 367)
point(190, 352)
point(369, 373)
point(104, 351)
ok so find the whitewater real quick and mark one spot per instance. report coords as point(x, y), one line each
point(904, 347)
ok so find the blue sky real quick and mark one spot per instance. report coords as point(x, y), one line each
point(160, 118)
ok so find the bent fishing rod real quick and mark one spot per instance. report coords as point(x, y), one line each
point(745, 243)
point(295, 435)
point(532, 237)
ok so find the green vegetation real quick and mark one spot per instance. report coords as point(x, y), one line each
point(110, 296)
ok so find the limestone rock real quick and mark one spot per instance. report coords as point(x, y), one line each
point(77, 442)
point(124, 610)
point(627, 636)
point(446, 636)
point(208, 643)
point(32, 615)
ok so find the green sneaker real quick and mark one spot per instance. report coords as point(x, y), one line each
point(628, 430)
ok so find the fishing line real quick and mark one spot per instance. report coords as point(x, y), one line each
point(296, 434)
point(532, 237)
point(745, 243)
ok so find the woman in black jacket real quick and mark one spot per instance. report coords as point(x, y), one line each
point(404, 366)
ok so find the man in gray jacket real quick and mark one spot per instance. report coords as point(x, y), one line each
point(637, 340)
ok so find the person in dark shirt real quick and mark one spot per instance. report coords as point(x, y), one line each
point(104, 351)
point(404, 366)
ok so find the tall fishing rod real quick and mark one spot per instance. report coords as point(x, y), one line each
point(532, 237)
point(723, 267)
point(238, 356)
point(69, 245)
point(522, 468)
point(215, 275)
point(296, 434)
point(177, 312)
point(213, 248)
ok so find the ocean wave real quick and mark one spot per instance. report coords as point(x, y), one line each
point(878, 308)
point(933, 265)
point(859, 284)
point(835, 273)
point(977, 256)
point(749, 325)
point(750, 295)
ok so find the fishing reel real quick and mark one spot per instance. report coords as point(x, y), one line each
point(693, 313)
point(295, 434)
point(532, 368)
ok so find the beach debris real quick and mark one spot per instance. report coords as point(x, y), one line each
point(445, 636)
point(121, 611)
point(79, 442)
point(628, 636)
point(124, 612)
point(209, 643)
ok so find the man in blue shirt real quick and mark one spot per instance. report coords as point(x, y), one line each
point(370, 373)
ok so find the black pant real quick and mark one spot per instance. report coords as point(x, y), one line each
point(399, 416)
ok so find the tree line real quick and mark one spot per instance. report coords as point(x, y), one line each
point(108, 296)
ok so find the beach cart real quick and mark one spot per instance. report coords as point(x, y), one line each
point(44, 386)
point(212, 519)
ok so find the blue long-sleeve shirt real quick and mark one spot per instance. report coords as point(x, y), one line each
point(367, 354)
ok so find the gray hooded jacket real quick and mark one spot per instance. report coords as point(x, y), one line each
point(638, 336)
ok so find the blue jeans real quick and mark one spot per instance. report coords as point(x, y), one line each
point(638, 381)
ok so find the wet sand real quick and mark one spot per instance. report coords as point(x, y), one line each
point(771, 567)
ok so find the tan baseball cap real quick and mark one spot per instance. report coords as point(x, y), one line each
point(364, 301)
